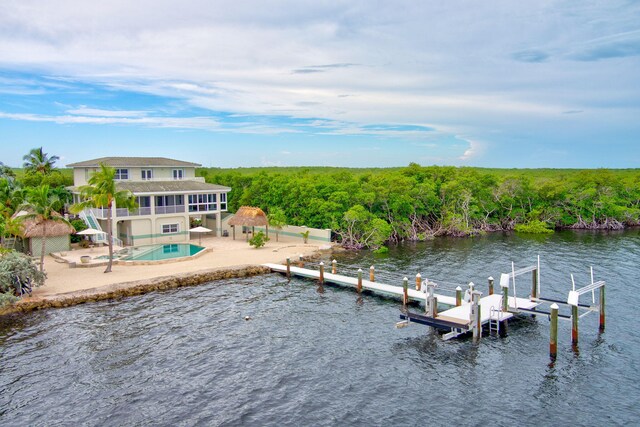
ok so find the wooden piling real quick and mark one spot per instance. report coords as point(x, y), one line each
point(534, 284)
point(458, 296)
point(372, 274)
point(288, 268)
point(321, 272)
point(574, 324)
point(553, 335)
point(359, 289)
point(334, 267)
point(476, 318)
point(490, 279)
point(301, 261)
point(505, 298)
point(405, 288)
point(418, 282)
point(602, 308)
point(431, 303)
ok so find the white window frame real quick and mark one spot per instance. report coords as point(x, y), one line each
point(146, 174)
point(170, 228)
point(223, 201)
point(177, 174)
point(122, 174)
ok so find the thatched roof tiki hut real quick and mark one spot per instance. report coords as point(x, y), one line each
point(249, 216)
point(57, 236)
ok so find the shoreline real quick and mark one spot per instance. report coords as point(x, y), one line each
point(224, 259)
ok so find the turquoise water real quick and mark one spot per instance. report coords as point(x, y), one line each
point(161, 252)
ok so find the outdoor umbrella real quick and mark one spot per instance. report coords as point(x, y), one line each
point(90, 232)
point(200, 230)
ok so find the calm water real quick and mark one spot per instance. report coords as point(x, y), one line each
point(323, 356)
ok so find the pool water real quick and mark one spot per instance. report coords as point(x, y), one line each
point(161, 252)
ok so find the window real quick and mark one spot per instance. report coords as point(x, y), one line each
point(178, 173)
point(143, 201)
point(169, 228)
point(223, 201)
point(122, 174)
point(170, 200)
point(202, 202)
point(169, 204)
point(146, 174)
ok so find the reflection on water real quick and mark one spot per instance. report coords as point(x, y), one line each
point(321, 355)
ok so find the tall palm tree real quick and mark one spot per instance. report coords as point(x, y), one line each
point(103, 193)
point(41, 205)
point(39, 161)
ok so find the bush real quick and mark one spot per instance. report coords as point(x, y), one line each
point(533, 227)
point(79, 225)
point(258, 240)
point(17, 272)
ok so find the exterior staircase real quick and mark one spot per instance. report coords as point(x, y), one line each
point(90, 219)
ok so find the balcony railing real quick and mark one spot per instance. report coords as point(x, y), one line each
point(101, 213)
point(169, 209)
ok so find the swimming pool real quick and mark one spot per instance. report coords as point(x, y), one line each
point(160, 252)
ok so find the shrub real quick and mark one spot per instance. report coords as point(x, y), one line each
point(17, 272)
point(533, 227)
point(258, 240)
point(79, 225)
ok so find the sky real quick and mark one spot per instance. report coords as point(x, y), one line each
point(323, 83)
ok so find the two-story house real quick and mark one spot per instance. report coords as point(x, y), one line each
point(168, 194)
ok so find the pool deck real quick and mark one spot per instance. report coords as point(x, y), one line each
point(222, 253)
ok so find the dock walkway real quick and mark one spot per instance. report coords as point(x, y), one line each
point(352, 282)
point(460, 315)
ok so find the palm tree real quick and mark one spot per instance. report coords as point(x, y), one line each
point(6, 172)
point(277, 219)
point(41, 205)
point(39, 161)
point(103, 193)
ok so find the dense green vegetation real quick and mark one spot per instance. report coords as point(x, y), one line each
point(367, 207)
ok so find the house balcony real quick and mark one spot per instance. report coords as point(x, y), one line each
point(101, 213)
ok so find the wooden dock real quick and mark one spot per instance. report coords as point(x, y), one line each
point(352, 282)
point(457, 319)
point(471, 313)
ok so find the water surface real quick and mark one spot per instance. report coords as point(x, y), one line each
point(313, 355)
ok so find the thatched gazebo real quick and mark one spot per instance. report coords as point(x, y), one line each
point(57, 238)
point(249, 216)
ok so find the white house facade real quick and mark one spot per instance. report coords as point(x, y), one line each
point(168, 194)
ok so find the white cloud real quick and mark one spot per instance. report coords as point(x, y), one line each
point(474, 150)
point(370, 63)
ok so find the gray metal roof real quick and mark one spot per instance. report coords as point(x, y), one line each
point(178, 186)
point(133, 162)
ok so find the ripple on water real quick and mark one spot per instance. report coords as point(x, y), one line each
point(323, 356)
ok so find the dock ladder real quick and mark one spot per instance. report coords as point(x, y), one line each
point(495, 318)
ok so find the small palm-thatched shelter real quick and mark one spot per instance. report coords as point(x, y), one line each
point(249, 216)
point(31, 232)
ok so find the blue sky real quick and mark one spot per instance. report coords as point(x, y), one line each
point(341, 83)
